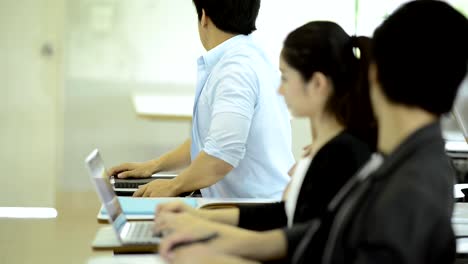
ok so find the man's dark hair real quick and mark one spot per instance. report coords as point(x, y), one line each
point(323, 46)
point(421, 53)
point(231, 16)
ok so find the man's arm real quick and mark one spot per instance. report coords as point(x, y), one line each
point(224, 148)
point(176, 159)
point(204, 171)
point(173, 160)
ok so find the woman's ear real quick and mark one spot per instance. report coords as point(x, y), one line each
point(318, 83)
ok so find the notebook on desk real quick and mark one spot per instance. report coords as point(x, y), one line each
point(144, 208)
point(130, 235)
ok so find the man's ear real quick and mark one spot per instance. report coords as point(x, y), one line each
point(204, 19)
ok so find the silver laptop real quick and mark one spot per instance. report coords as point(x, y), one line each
point(460, 109)
point(131, 185)
point(129, 233)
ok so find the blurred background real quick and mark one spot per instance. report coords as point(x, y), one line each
point(69, 69)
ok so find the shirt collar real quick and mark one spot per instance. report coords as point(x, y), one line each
point(428, 135)
point(212, 57)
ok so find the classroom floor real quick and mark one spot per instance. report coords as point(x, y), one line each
point(66, 239)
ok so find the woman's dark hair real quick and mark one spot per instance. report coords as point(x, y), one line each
point(231, 16)
point(323, 46)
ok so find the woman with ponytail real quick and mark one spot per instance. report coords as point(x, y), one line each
point(324, 79)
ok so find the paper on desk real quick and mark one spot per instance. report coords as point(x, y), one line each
point(460, 213)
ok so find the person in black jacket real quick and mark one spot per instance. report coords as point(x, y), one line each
point(399, 211)
point(397, 208)
point(324, 80)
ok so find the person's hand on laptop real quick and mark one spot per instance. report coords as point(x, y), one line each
point(134, 170)
point(166, 223)
point(176, 207)
point(182, 229)
point(157, 188)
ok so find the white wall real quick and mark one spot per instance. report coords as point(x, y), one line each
point(133, 40)
point(31, 129)
point(157, 40)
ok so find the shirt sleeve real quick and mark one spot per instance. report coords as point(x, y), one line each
point(233, 107)
point(261, 217)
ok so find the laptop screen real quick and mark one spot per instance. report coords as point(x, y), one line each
point(460, 109)
point(103, 187)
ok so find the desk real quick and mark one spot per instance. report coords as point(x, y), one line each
point(123, 259)
point(166, 107)
point(65, 239)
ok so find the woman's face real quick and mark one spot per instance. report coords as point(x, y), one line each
point(301, 96)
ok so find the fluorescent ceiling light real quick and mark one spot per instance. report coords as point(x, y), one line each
point(27, 212)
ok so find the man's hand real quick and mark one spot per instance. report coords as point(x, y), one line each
point(134, 170)
point(157, 188)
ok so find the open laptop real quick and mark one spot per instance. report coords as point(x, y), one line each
point(127, 187)
point(457, 148)
point(460, 109)
point(128, 233)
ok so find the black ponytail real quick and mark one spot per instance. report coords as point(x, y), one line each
point(354, 109)
point(323, 46)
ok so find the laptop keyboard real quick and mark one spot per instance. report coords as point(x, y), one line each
point(127, 185)
point(141, 233)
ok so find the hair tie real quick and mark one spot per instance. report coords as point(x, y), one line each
point(354, 43)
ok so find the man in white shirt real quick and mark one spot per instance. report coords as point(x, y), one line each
point(241, 136)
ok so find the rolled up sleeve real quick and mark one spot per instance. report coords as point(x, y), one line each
point(233, 109)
